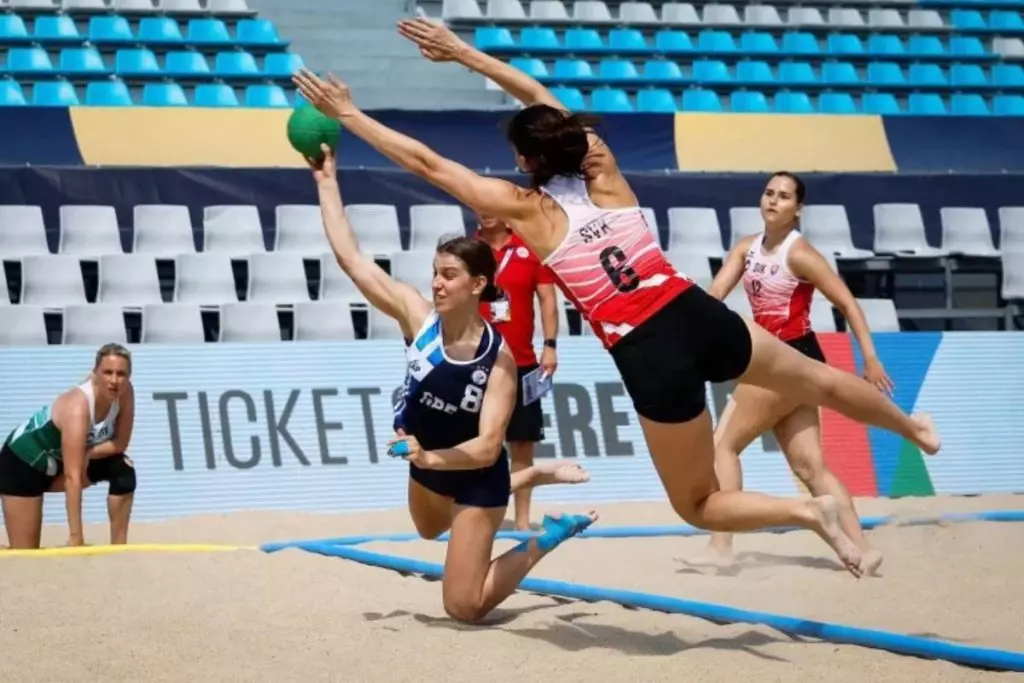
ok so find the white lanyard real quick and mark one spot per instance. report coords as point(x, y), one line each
point(504, 262)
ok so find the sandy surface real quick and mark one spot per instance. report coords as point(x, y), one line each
point(295, 616)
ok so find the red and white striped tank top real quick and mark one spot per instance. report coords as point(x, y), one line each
point(610, 266)
point(779, 300)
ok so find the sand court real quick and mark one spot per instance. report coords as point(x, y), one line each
point(246, 615)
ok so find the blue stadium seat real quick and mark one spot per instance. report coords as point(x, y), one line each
point(880, 103)
point(136, 62)
point(1008, 74)
point(655, 101)
point(749, 101)
point(754, 72)
point(11, 94)
point(208, 32)
point(885, 73)
point(879, 44)
point(966, 46)
point(282, 64)
point(800, 42)
point(927, 74)
point(28, 60)
point(845, 44)
point(673, 41)
point(926, 45)
point(55, 28)
point(111, 29)
point(836, 103)
point(1008, 105)
point(698, 99)
point(926, 103)
point(489, 37)
point(108, 94)
point(530, 65)
point(532, 39)
point(583, 39)
point(967, 74)
point(610, 100)
point(968, 104)
point(235, 65)
point(13, 29)
point(571, 98)
point(793, 103)
point(1006, 19)
point(839, 73)
point(163, 95)
point(185, 64)
point(257, 32)
point(573, 69)
point(266, 96)
point(711, 40)
point(617, 70)
point(711, 71)
point(967, 19)
point(627, 40)
point(54, 94)
point(797, 72)
point(214, 95)
point(160, 31)
point(662, 70)
point(756, 41)
point(81, 60)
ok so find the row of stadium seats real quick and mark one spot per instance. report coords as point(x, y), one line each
point(61, 29)
point(142, 63)
point(169, 6)
point(116, 93)
point(167, 231)
point(790, 44)
point(659, 100)
point(93, 324)
point(718, 14)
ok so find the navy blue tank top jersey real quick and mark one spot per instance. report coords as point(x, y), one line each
point(441, 400)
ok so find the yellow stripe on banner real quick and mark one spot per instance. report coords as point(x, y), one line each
point(771, 142)
point(117, 549)
point(184, 136)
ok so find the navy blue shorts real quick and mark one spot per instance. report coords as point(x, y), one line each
point(488, 487)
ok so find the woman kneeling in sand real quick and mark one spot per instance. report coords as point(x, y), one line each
point(76, 441)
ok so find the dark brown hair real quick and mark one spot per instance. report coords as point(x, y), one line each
point(801, 191)
point(479, 260)
point(554, 141)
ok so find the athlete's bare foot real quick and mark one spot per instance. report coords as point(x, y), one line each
point(558, 472)
point(714, 556)
point(928, 438)
point(826, 514)
point(870, 561)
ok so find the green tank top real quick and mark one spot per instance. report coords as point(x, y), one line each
point(37, 442)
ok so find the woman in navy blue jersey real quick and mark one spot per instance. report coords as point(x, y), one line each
point(459, 393)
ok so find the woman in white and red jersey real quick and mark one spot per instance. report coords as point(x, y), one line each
point(780, 271)
point(666, 335)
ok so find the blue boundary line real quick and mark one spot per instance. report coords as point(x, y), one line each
point(661, 531)
point(987, 658)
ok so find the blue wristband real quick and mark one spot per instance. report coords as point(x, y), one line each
point(398, 449)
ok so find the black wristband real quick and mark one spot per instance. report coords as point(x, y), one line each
point(550, 343)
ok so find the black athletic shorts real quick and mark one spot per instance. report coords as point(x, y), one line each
point(665, 362)
point(488, 487)
point(527, 421)
point(809, 346)
point(19, 479)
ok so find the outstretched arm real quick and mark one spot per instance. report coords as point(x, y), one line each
point(395, 299)
point(483, 195)
point(731, 271)
point(439, 44)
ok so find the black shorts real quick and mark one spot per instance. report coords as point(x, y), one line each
point(665, 362)
point(809, 346)
point(19, 479)
point(488, 487)
point(527, 421)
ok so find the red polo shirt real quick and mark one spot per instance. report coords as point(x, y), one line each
point(519, 273)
